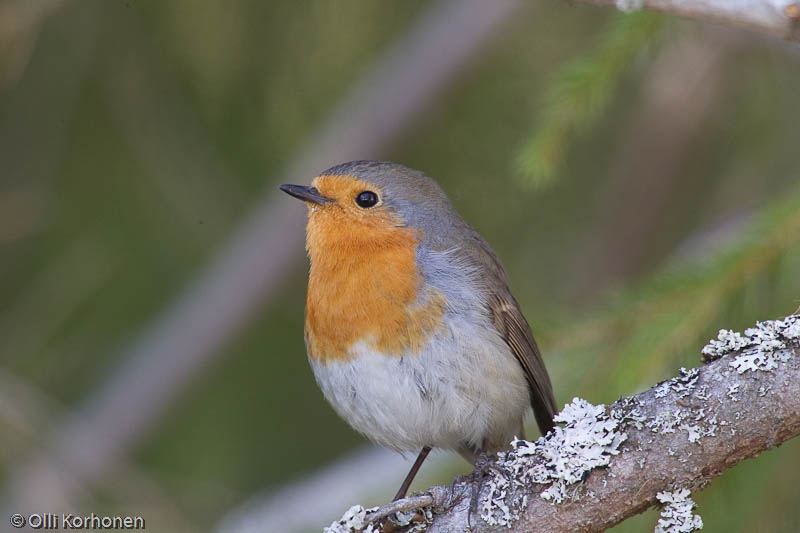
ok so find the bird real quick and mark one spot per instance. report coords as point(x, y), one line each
point(411, 330)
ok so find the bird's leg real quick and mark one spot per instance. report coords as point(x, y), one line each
point(412, 473)
point(482, 466)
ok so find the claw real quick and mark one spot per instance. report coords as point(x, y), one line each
point(483, 465)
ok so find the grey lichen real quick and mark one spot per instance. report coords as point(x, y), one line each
point(352, 520)
point(677, 515)
point(416, 521)
point(628, 6)
point(683, 385)
point(757, 345)
point(692, 420)
point(411, 515)
point(727, 341)
point(588, 439)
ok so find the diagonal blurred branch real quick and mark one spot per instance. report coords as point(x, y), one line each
point(252, 265)
point(26, 412)
point(318, 498)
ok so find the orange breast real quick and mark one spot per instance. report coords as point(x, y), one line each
point(364, 286)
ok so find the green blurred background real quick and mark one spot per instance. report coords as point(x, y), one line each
point(637, 174)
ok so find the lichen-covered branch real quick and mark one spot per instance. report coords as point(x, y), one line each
point(780, 18)
point(607, 463)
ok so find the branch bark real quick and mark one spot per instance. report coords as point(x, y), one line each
point(677, 435)
point(779, 18)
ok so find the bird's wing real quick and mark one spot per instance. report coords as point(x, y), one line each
point(515, 330)
point(504, 311)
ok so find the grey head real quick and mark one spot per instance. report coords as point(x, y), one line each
point(413, 196)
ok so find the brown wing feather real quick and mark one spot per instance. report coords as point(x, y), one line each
point(512, 326)
point(517, 333)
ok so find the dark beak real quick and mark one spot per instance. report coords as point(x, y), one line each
point(307, 194)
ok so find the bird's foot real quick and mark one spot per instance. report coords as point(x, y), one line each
point(483, 467)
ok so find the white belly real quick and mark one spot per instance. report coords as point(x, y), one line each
point(465, 387)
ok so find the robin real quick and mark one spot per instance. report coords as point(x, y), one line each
point(411, 330)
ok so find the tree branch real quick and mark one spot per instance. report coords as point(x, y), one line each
point(779, 18)
point(609, 462)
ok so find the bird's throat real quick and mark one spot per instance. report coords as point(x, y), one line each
point(368, 290)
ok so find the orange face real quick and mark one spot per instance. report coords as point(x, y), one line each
point(344, 218)
point(364, 284)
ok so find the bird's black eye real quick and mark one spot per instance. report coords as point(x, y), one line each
point(366, 199)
